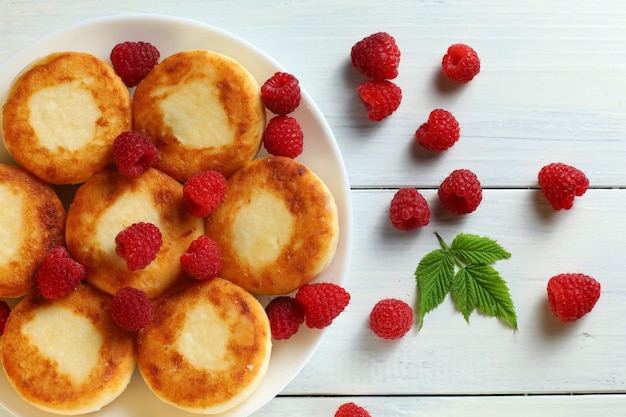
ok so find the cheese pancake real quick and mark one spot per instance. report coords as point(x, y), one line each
point(108, 203)
point(203, 110)
point(277, 227)
point(32, 223)
point(67, 356)
point(62, 115)
point(207, 348)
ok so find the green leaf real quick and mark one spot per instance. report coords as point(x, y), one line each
point(473, 249)
point(434, 276)
point(464, 293)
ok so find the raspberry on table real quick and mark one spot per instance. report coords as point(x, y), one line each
point(203, 192)
point(322, 303)
point(391, 318)
point(440, 132)
point(138, 244)
point(572, 295)
point(561, 183)
point(409, 209)
point(461, 192)
point(281, 93)
point(132, 61)
point(285, 315)
point(283, 136)
point(460, 63)
point(380, 98)
point(133, 153)
point(131, 309)
point(203, 259)
point(376, 56)
point(351, 410)
point(5, 310)
point(59, 274)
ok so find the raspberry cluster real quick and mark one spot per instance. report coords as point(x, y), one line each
point(59, 274)
point(5, 311)
point(351, 410)
point(391, 318)
point(202, 260)
point(131, 309)
point(132, 61)
point(572, 295)
point(133, 153)
point(203, 192)
point(138, 244)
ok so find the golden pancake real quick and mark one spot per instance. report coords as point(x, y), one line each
point(67, 356)
point(108, 203)
point(32, 223)
point(62, 115)
point(207, 348)
point(203, 111)
point(277, 227)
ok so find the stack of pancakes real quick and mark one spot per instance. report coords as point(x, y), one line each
point(209, 344)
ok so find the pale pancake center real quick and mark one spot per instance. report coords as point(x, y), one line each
point(75, 355)
point(262, 228)
point(64, 115)
point(129, 208)
point(197, 117)
point(204, 337)
point(10, 221)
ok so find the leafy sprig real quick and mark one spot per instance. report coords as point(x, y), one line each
point(476, 285)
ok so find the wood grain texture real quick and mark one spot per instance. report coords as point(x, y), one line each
point(552, 88)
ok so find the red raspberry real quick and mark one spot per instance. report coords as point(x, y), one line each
point(131, 309)
point(202, 260)
point(283, 136)
point(285, 315)
point(409, 209)
point(133, 153)
point(322, 302)
point(376, 56)
point(351, 410)
point(132, 61)
point(572, 295)
point(440, 132)
point(391, 318)
point(59, 274)
point(281, 93)
point(461, 63)
point(203, 192)
point(461, 192)
point(5, 310)
point(560, 183)
point(380, 98)
point(138, 244)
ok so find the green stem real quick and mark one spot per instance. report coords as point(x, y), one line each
point(444, 246)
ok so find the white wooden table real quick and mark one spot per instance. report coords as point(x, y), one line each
point(552, 88)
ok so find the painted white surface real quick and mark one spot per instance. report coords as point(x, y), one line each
point(552, 88)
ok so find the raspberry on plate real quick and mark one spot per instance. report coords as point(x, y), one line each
point(440, 132)
point(133, 153)
point(376, 56)
point(132, 61)
point(138, 244)
point(131, 309)
point(460, 63)
point(391, 318)
point(286, 315)
point(572, 295)
point(281, 93)
point(461, 192)
point(59, 274)
point(561, 183)
point(380, 98)
point(351, 410)
point(409, 209)
point(202, 260)
point(203, 192)
point(283, 136)
point(322, 303)
point(5, 310)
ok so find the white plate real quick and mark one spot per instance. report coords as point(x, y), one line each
point(321, 154)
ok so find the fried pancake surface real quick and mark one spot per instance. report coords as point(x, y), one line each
point(67, 356)
point(207, 348)
point(277, 227)
point(108, 203)
point(62, 115)
point(203, 111)
point(32, 223)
